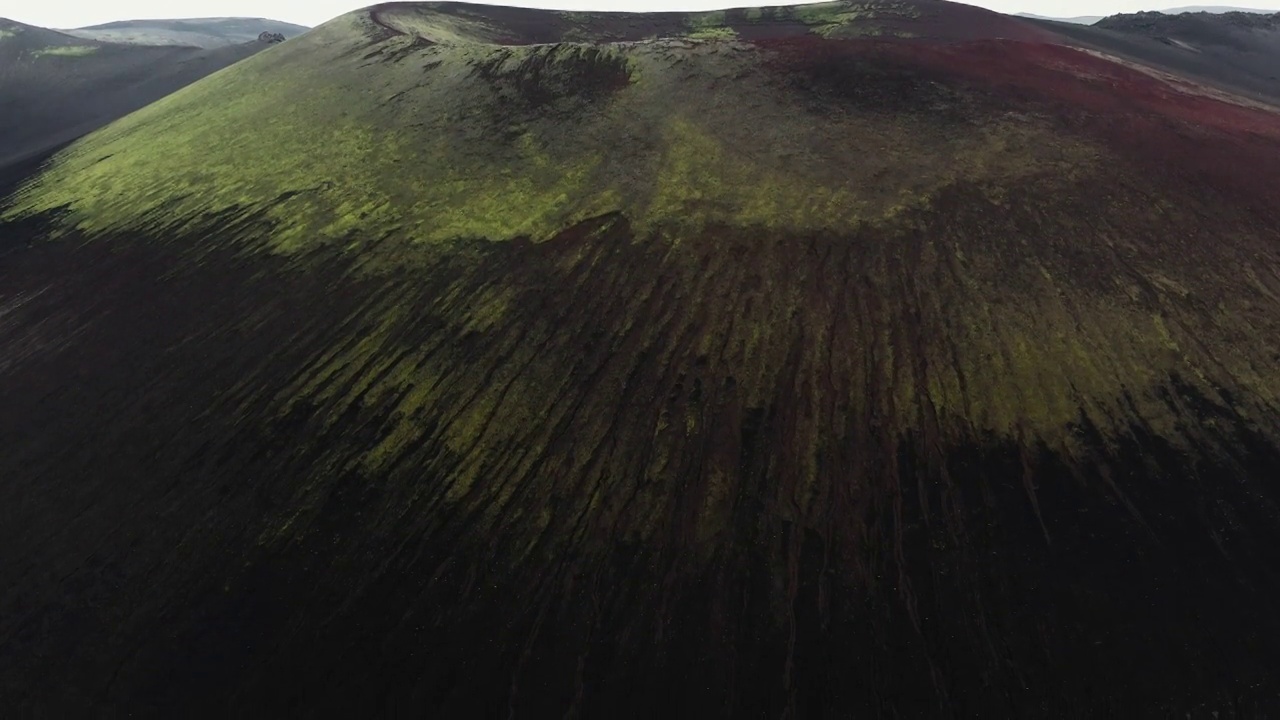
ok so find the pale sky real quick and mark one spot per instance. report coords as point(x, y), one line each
point(78, 13)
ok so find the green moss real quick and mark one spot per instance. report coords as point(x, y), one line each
point(6, 33)
point(722, 33)
point(709, 26)
point(707, 20)
point(65, 51)
point(435, 145)
point(316, 168)
point(699, 173)
point(850, 19)
point(443, 27)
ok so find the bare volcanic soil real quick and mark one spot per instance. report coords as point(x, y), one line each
point(816, 374)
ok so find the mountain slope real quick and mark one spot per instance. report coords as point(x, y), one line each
point(400, 117)
point(195, 32)
point(56, 87)
point(838, 361)
point(1235, 51)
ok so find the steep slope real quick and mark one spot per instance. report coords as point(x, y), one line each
point(852, 360)
point(195, 32)
point(55, 87)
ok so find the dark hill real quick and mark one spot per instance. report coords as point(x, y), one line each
point(1216, 9)
point(1203, 28)
point(55, 87)
point(197, 32)
point(1238, 51)
point(889, 360)
point(1091, 19)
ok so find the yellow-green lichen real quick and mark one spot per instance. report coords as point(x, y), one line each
point(851, 19)
point(720, 33)
point(446, 28)
point(710, 26)
point(433, 146)
point(713, 19)
point(65, 51)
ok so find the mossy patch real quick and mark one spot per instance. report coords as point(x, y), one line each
point(65, 51)
point(710, 26)
point(450, 142)
point(443, 27)
point(717, 33)
point(851, 19)
point(713, 19)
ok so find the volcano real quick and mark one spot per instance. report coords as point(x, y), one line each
point(877, 359)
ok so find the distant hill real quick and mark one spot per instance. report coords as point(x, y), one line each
point(1193, 27)
point(1079, 20)
point(1234, 51)
point(1213, 9)
point(61, 87)
point(200, 32)
point(1091, 19)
